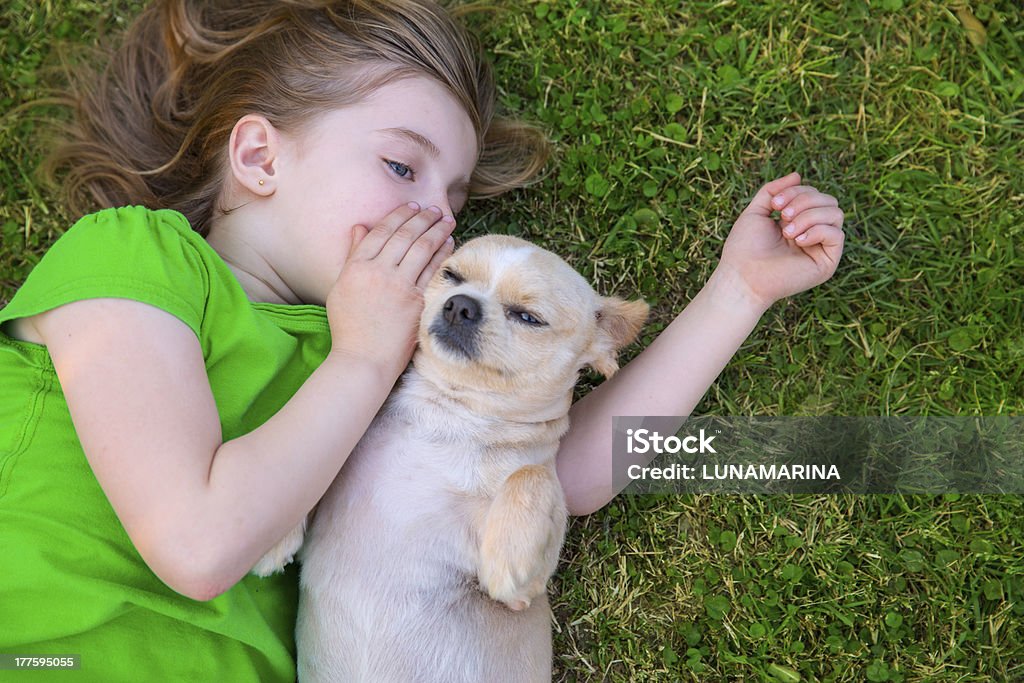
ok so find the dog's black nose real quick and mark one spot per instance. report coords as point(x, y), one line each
point(462, 310)
point(459, 325)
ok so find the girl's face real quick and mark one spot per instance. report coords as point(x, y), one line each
point(410, 141)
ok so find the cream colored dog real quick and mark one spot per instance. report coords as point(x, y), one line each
point(429, 557)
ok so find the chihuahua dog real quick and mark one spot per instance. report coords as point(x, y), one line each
point(428, 558)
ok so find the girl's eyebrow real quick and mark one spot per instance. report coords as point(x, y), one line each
point(413, 137)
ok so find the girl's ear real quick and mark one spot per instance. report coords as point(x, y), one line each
point(253, 150)
point(618, 323)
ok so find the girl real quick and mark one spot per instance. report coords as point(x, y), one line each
point(183, 378)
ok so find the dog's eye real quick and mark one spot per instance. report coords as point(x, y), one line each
point(453, 277)
point(525, 317)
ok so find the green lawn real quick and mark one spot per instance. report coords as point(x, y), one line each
point(666, 117)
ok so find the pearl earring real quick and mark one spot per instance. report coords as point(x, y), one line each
point(261, 181)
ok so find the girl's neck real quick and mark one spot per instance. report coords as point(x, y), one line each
point(256, 276)
point(257, 289)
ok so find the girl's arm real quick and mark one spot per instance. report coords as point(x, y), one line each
point(200, 511)
point(762, 261)
point(668, 378)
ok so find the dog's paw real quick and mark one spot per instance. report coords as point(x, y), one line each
point(504, 583)
point(522, 537)
point(281, 554)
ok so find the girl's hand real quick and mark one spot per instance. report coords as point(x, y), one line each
point(374, 308)
point(776, 259)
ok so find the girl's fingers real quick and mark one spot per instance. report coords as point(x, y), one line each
point(829, 237)
point(407, 235)
point(831, 215)
point(371, 245)
point(801, 196)
point(761, 204)
point(793, 202)
point(408, 239)
point(423, 251)
point(355, 237)
point(440, 255)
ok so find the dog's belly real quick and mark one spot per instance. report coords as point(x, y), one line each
point(389, 589)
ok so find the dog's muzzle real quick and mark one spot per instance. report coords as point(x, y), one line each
point(457, 327)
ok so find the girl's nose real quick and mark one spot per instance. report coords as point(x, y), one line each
point(446, 210)
point(440, 201)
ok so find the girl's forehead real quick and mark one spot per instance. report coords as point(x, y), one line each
point(414, 111)
point(417, 97)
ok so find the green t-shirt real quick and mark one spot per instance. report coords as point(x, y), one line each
point(71, 582)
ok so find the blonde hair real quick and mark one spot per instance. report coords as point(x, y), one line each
point(152, 127)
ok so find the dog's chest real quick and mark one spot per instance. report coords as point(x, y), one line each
point(408, 459)
point(404, 481)
point(414, 495)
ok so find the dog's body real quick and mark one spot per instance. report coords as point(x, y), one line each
point(390, 588)
point(429, 556)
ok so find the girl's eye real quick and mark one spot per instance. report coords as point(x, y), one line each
point(525, 317)
point(401, 170)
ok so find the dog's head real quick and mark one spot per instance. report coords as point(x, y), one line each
point(506, 319)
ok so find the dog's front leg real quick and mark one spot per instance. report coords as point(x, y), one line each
point(283, 553)
point(522, 536)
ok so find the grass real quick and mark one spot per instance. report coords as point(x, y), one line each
point(666, 117)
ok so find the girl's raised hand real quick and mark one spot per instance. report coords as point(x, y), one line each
point(374, 307)
point(776, 259)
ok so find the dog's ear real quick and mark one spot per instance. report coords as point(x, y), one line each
point(618, 323)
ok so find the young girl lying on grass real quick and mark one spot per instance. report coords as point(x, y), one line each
point(183, 378)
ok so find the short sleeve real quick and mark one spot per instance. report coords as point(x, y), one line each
point(128, 253)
